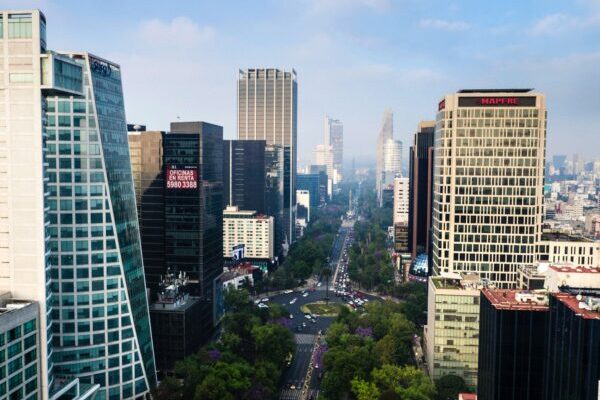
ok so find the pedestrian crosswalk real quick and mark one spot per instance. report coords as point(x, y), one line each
point(294, 394)
point(304, 338)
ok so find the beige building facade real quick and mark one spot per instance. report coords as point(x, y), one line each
point(488, 182)
point(253, 230)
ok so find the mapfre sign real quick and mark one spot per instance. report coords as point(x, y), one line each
point(497, 101)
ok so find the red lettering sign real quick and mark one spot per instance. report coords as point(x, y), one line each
point(442, 105)
point(181, 177)
point(499, 101)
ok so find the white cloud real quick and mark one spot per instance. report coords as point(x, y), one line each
point(556, 24)
point(179, 31)
point(450, 26)
point(329, 6)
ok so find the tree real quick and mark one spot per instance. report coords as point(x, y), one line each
point(449, 386)
point(408, 382)
point(273, 343)
point(364, 390)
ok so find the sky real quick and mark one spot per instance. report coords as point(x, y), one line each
point(354, 58)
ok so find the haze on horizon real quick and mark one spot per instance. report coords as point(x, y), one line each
point(354, 58)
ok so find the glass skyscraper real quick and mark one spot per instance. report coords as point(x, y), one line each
point(74, 245)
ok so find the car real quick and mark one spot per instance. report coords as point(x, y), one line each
point(262, 305)
point(288, 291)
point(257, 301)
point(291, 316)
point(305, 294)
point(293, 300)
point(313, 316)
point(307, 316)
point(319, 284)
point(293, 387)
point(304, 324)
point(314, 321)
point(265, 300)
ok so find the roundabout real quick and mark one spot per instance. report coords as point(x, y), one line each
point(322, 309)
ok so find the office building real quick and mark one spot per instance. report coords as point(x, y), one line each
point(334, 137)
point(175, 329)
point(146, 150)
point(511, 348)
point(572, 362)
point(312, 184)
point(303, 204)
point(558, 248)
point(401, 200)
point(72, 243)
point(99, 287)
point(253, 230)
point(267, 110)
point(19, 349)
point(421, 183)
point(452, 330)
point(488, 188)
point(558, 161)
point(386, 132)
point(324, 157)
point(244, 174)
point(193, 166)
point(392, 160)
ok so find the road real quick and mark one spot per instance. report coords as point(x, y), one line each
point(294, 376)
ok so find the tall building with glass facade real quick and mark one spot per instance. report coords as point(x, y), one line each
point(488, 195)
point(244, 176)
point(267, 110)
point(70, 237)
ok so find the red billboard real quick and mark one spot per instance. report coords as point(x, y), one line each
point(182, 177)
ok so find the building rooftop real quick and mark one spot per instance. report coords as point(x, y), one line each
point(588, 307)
point(574, 269)
point(453, 280)
point(517, 300)
point(558, 236)
point(467, 396)
point(495, 90)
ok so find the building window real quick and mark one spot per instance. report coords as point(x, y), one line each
point(19, 26)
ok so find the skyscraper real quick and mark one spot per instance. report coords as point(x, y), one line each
point(334, 137)
point(324, 157)
point(244, 175)
point(488, 189)
point(392, 161)
point(146, 149)
point(386, 132)
point(73, 243)
point(421, 181)
point(267, 110)
point(193, 164)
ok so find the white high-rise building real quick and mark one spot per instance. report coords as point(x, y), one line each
point(392, 161)
point(386, 132)
point(401, 200)
point(488, 182)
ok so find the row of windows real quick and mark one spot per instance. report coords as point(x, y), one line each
point(497, 113)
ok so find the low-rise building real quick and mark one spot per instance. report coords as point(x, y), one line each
point(255, 231)
point(560, 247)
point(19, 349)
point(181, 323)
point(452, 330)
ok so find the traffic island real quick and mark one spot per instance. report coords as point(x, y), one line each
point(322, 309)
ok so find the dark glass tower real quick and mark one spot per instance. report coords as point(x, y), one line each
point(421, 175)
point(244, 176)
point(193, 175)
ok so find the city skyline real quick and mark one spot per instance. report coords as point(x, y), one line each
point(344, 51)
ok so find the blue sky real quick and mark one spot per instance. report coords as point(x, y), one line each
point(353, 57)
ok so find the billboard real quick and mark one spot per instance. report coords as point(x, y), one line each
point(497, 101)
point(181, 177)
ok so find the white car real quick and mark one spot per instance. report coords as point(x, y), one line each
point(293, 300)
point(305, 294)
point(319, 284)
point(291, 316)
point(265, 300)
point(257, 301)
point(307, 316)
point(288, 291)
point(262, 305)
